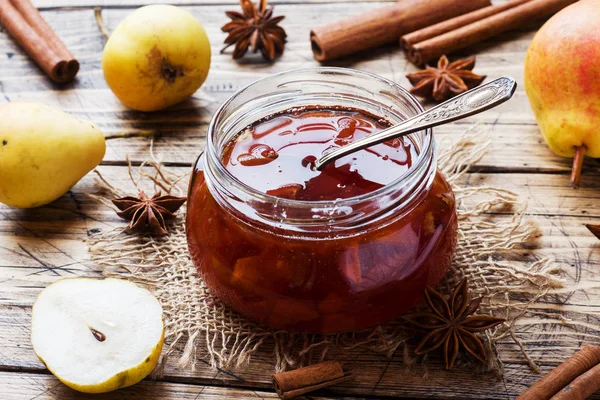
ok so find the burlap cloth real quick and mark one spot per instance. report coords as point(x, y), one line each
point(199, 323)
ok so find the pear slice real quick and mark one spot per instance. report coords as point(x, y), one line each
point(97, 335)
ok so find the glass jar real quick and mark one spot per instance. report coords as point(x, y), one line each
point(320, 266)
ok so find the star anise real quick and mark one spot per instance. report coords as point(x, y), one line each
point(595, 229)
point(452, 325)
point(256, 28)
point(445, 81)
point(148, 214)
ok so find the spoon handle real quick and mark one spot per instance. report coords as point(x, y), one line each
point(464, 105)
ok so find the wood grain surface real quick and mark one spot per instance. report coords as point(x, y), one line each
point(41, 245)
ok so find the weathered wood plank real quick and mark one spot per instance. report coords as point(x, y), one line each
point(516, 140)
point(79, 31)
point(39, 245)
point(375, 374)
point(70, 4)
point(76, 214)
point(15, 386)
point(48, 245)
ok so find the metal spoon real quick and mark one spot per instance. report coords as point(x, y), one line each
point(464, 105)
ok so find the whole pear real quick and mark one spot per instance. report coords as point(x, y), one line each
point(159, 55)
point(562, 81)
point(43, 153)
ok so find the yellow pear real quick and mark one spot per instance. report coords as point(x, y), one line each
point(158, 56)
point(562, 81)
point(97, 335)
point(43, 153)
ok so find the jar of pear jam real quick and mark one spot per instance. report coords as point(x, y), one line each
point(337, 250)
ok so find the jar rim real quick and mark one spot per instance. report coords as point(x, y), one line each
point(423, 156)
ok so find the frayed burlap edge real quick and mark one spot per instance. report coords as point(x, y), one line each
point(207, 329)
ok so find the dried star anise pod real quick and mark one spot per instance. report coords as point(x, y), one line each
point(595, 229)
point(148, 214)
point(452, 325)
point(255, 28)
point(445, 81)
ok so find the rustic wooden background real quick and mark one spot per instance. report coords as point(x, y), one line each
point(41, 245)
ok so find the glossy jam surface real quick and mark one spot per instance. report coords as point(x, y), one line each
point(276, 155)
point(320, 283)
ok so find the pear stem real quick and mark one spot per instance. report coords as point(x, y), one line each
point(577, 165)
point(100, 22)
point(125, 135)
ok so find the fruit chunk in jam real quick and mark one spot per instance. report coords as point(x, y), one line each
point(320, 284)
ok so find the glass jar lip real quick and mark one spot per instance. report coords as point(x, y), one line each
point(422, 158)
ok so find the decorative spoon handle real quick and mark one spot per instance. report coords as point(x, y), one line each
point(464, 105)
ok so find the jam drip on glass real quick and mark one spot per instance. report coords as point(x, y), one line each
point(276, 155)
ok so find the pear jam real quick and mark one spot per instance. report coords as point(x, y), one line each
point(321, 282)
point(276, 155)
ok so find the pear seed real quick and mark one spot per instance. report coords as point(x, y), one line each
point(98, 335)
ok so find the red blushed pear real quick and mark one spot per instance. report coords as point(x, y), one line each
point(562, 81)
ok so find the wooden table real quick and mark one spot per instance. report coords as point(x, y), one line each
point(41, 245)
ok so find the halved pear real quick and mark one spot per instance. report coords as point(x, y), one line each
point(97, 335)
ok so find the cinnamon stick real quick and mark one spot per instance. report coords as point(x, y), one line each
point(581, 388)
point(453, 23)
point(478, 31)
point(384, 25)
point(555, 380)
point(295, 383)
point(27, 27)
